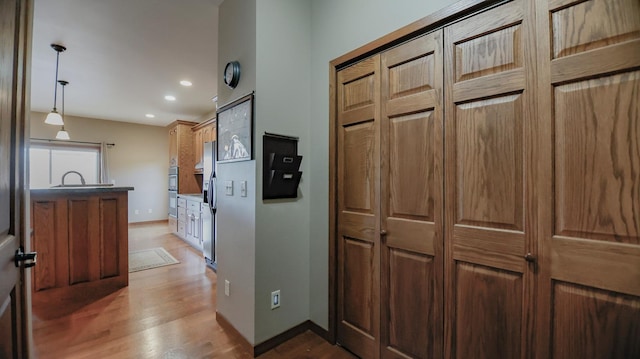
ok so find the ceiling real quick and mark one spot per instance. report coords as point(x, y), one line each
point(124, 56)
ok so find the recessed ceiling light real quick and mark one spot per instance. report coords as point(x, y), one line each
point(185, 83)
point(170, 98)
point(149, 115)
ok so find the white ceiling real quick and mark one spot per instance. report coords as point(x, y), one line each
point(124, 56)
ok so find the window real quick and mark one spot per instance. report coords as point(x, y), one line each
point(49, 161)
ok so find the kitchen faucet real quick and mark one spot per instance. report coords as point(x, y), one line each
point(76, 172)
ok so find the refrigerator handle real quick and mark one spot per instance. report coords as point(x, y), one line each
point(212, 195)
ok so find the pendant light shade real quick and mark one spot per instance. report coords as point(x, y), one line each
point(54, 118)
point(62, 134)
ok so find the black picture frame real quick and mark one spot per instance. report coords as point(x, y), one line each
point(234, 130)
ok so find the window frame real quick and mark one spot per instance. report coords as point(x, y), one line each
point(52, 145)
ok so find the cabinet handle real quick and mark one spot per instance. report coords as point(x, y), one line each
point(530, 258)
point(383, 233)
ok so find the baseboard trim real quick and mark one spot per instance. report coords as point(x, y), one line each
point(275, 341)
point(157, 221)
point(289, 334)
point(229, 328)
point(320, 331)
point(281, 338)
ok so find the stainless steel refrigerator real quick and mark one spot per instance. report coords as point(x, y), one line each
point(209, 205)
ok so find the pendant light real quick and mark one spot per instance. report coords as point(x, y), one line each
point(63, 134)
point(54, 118)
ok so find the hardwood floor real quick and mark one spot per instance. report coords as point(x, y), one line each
point(166, 312)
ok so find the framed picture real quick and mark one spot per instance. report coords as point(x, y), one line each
point(235, 130)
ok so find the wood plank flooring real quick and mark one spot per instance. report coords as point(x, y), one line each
point(166, 312)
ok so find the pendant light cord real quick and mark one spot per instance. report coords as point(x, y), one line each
point(55, 89)
point(62, 101)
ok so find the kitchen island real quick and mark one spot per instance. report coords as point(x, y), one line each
point(81, 236)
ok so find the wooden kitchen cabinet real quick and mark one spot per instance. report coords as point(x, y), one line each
point(198, 149)
point(181, 155)
point(203, 132)
point(173, 146)
point(209, 132)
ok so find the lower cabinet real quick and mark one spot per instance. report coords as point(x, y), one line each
point(81, 240)
point(173, 224)
point(182, 217)
point(190, 222)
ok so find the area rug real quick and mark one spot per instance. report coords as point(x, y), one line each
point(150, 258)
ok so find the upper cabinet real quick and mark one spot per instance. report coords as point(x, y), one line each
point(209, 134)
point(203, 132)
point(180, 144)
point(181, 154)
point(173, 146)
point(198, 149)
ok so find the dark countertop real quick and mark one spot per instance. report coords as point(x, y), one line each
point(79, 190)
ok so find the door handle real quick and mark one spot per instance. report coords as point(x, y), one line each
point(29, 259)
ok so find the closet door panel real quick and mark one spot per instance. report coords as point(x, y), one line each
point(487, 298)
point(358, 207)
point(590, 266)
point(489, 162)
point(411, 200)
point(597, 150)
point(489, 156)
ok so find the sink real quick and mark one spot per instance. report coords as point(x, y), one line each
point(77, 185)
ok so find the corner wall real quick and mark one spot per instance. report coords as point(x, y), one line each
point(236, 215)
point(283, 100)
point(140, 158)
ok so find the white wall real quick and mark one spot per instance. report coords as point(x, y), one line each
point(337, 27)
point(236, 247)
point(236, 215)
point(282, 107)
point(139, 158)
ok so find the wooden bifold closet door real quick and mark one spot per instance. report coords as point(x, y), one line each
point(412, 250)
point(358, 207)
point(488, 187)
point(390, 202)
point(589, 108)
point(489, 183)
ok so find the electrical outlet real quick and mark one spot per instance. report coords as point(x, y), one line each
point(226, 287)
point(137, 211)
point(275, 299)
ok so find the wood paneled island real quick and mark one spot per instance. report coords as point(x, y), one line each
point(81, 237)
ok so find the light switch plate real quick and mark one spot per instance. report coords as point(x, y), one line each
point(243, 188)
point(229, 188)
